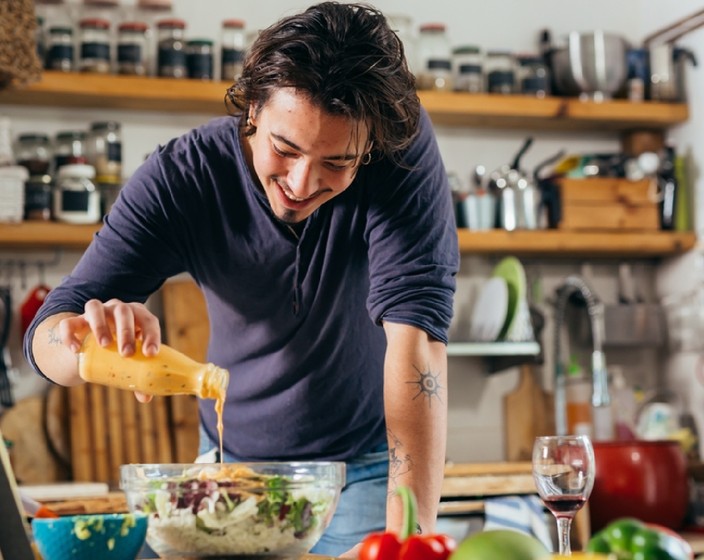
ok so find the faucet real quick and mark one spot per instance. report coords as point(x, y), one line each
point(601, 400)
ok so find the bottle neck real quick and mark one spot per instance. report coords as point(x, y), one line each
point(215, 381)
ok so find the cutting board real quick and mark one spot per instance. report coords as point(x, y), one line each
point(529, 411)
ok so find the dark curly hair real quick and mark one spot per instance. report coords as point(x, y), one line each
point(347, 59)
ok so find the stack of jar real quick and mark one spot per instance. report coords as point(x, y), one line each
point(466, 68)
point(147, 40)
point(74, 178)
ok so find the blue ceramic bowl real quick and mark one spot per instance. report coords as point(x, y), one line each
point(110, 536)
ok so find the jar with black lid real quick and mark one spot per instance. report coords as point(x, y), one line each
point(171, 48)
point(33, 152)
point(105, 149)
point(69, 147)
point(59, 49)
point(534, 76)
point(232, 44)
point(132, 48)
point(199, 59)
point(467, 66)
point(94, 41)
point(500, 72)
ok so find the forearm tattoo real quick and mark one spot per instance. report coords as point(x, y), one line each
point(54, 338)
point(428, 385)
point(399, 461)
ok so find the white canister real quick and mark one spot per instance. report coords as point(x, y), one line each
point(77, 199)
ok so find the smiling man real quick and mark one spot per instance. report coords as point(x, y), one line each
point(318, 222)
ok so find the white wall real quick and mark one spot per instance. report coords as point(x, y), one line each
point(475, 431)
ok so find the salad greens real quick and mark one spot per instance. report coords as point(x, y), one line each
point(224, 499)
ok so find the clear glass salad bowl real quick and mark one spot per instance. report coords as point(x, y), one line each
point(270, 509)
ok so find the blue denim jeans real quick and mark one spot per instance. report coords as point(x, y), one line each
point(362, 506)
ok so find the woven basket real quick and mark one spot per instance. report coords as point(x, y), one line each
point(19, 63)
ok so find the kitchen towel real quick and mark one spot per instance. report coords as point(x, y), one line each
point(520, 513)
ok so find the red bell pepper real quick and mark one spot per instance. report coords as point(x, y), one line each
point(408, 545)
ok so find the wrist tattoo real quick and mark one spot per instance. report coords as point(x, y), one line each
point(54, 338)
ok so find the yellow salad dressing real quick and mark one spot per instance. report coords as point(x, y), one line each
point(170, 372)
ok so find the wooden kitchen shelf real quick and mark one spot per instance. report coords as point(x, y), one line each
point(493, 349)
point(73, 90)
point(558, 243)
point(544, 243)
point(46, 235)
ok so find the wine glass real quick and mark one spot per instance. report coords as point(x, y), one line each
point(563, 470)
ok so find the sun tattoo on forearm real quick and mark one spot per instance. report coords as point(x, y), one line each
point(428, 385)
point(399, 463)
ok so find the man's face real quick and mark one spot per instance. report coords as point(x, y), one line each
point(301, 155)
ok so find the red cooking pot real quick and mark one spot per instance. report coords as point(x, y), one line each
point(642, 479)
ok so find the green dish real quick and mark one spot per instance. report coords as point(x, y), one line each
point(512, 271)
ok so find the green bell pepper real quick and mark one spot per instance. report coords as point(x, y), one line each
point(631, 539)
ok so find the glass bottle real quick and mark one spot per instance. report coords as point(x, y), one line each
point(199, 59)
point(500, 72)
point(232, 41)
point(94, 41)
point(467, 67)
point(59, 49)
point(435, 58)
point(171, 48)
point(132, 48)
point(105, 149)
point(170, 372)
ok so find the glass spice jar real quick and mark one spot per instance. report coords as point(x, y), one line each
point(199, 59)
point(38, 198)
point(69, 147)
point(171, 48)
point(59, 49)
point(232, 41)
point(94, 41)
point(467, 67)
point(76, 198)
point(132, 48)
point(105, 149)
point(402, 25)
point(500, 72)
point(33, 152)
point(533, 75)
point(435, 58)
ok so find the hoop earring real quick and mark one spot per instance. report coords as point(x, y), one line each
point(367, 158)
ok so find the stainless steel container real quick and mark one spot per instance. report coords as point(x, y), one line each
point(591, 65)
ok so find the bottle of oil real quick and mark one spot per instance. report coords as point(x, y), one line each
point(168, 373)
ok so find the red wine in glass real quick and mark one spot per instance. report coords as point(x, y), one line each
point(563, 470)
point(564, 505)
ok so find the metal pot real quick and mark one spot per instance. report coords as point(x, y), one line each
point(591, 65)
point(642, 479)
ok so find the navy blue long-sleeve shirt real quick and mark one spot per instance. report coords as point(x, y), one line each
point(297, 322)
